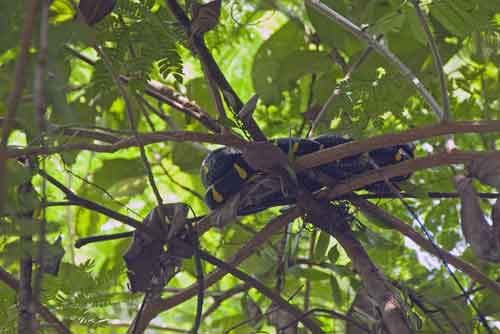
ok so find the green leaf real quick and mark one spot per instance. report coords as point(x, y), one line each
point(461, 17)
point(490, 304)
point(336, 291)
point(118, 176)
point(331, 33)
point(197, 90)
point(333, 254)
point(187, 157)
point(61, 10)
point(312, 274)
point(321, 246)
point(282, 60)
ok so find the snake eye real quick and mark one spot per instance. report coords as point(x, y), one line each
point(241, 171)
point(398, 156)
point(217, 196)
point(402, 154)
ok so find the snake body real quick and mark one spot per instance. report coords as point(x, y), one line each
point(224, 171)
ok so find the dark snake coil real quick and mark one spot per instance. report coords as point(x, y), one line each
point(224, 172)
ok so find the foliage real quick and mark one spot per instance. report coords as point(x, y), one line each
point(293, 58)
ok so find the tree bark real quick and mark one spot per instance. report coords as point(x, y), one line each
point(24, 297)
point(329, 219)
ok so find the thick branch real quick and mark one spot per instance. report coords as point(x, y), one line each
point(360, 146)
point(323, 216)
point(310, 324)
point(404, 168)
point(214, 71)
point(273, 227)
point(405, 229)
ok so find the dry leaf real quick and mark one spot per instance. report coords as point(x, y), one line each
point(283, 321)
point(149, 265)
point(312, 112)
point(486, 170)
point(52, 257)
point(253, 311)
point(475, 228)
point(249, 107)
point(264, 156)
point(205, 17)
point(94, 11)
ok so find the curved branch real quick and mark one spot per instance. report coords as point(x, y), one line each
point(404, 168)
point(405, 229)
point(146, 139)
point(381, 49)
point(360, 146)
point(311, 324)
point(438, 62)
point(214, 71)
point(273, 227)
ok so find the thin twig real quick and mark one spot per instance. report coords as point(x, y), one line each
point(214, 71)
point(154, 327)
point(178, 184)
point(380, 48)
point(338, 90)
point(219, 299)
point(438, 62)
point(39, 102)
point(13, 283)
point(98, 238)
point(146, 139)
point(406, 229)
point(73, 198)
point(133, 126)
point(15, 95)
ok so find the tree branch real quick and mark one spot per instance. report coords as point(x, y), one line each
point(147, 139)
point(360, 146)
point(273, 227)
point(310, 324)
point(325, 217)
point(381, 49)
point(405, 229)
point(15, 96)
point(13, 283)
point(438, 62)
point(403, 168)
point(214, 71)
point(77, 200)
